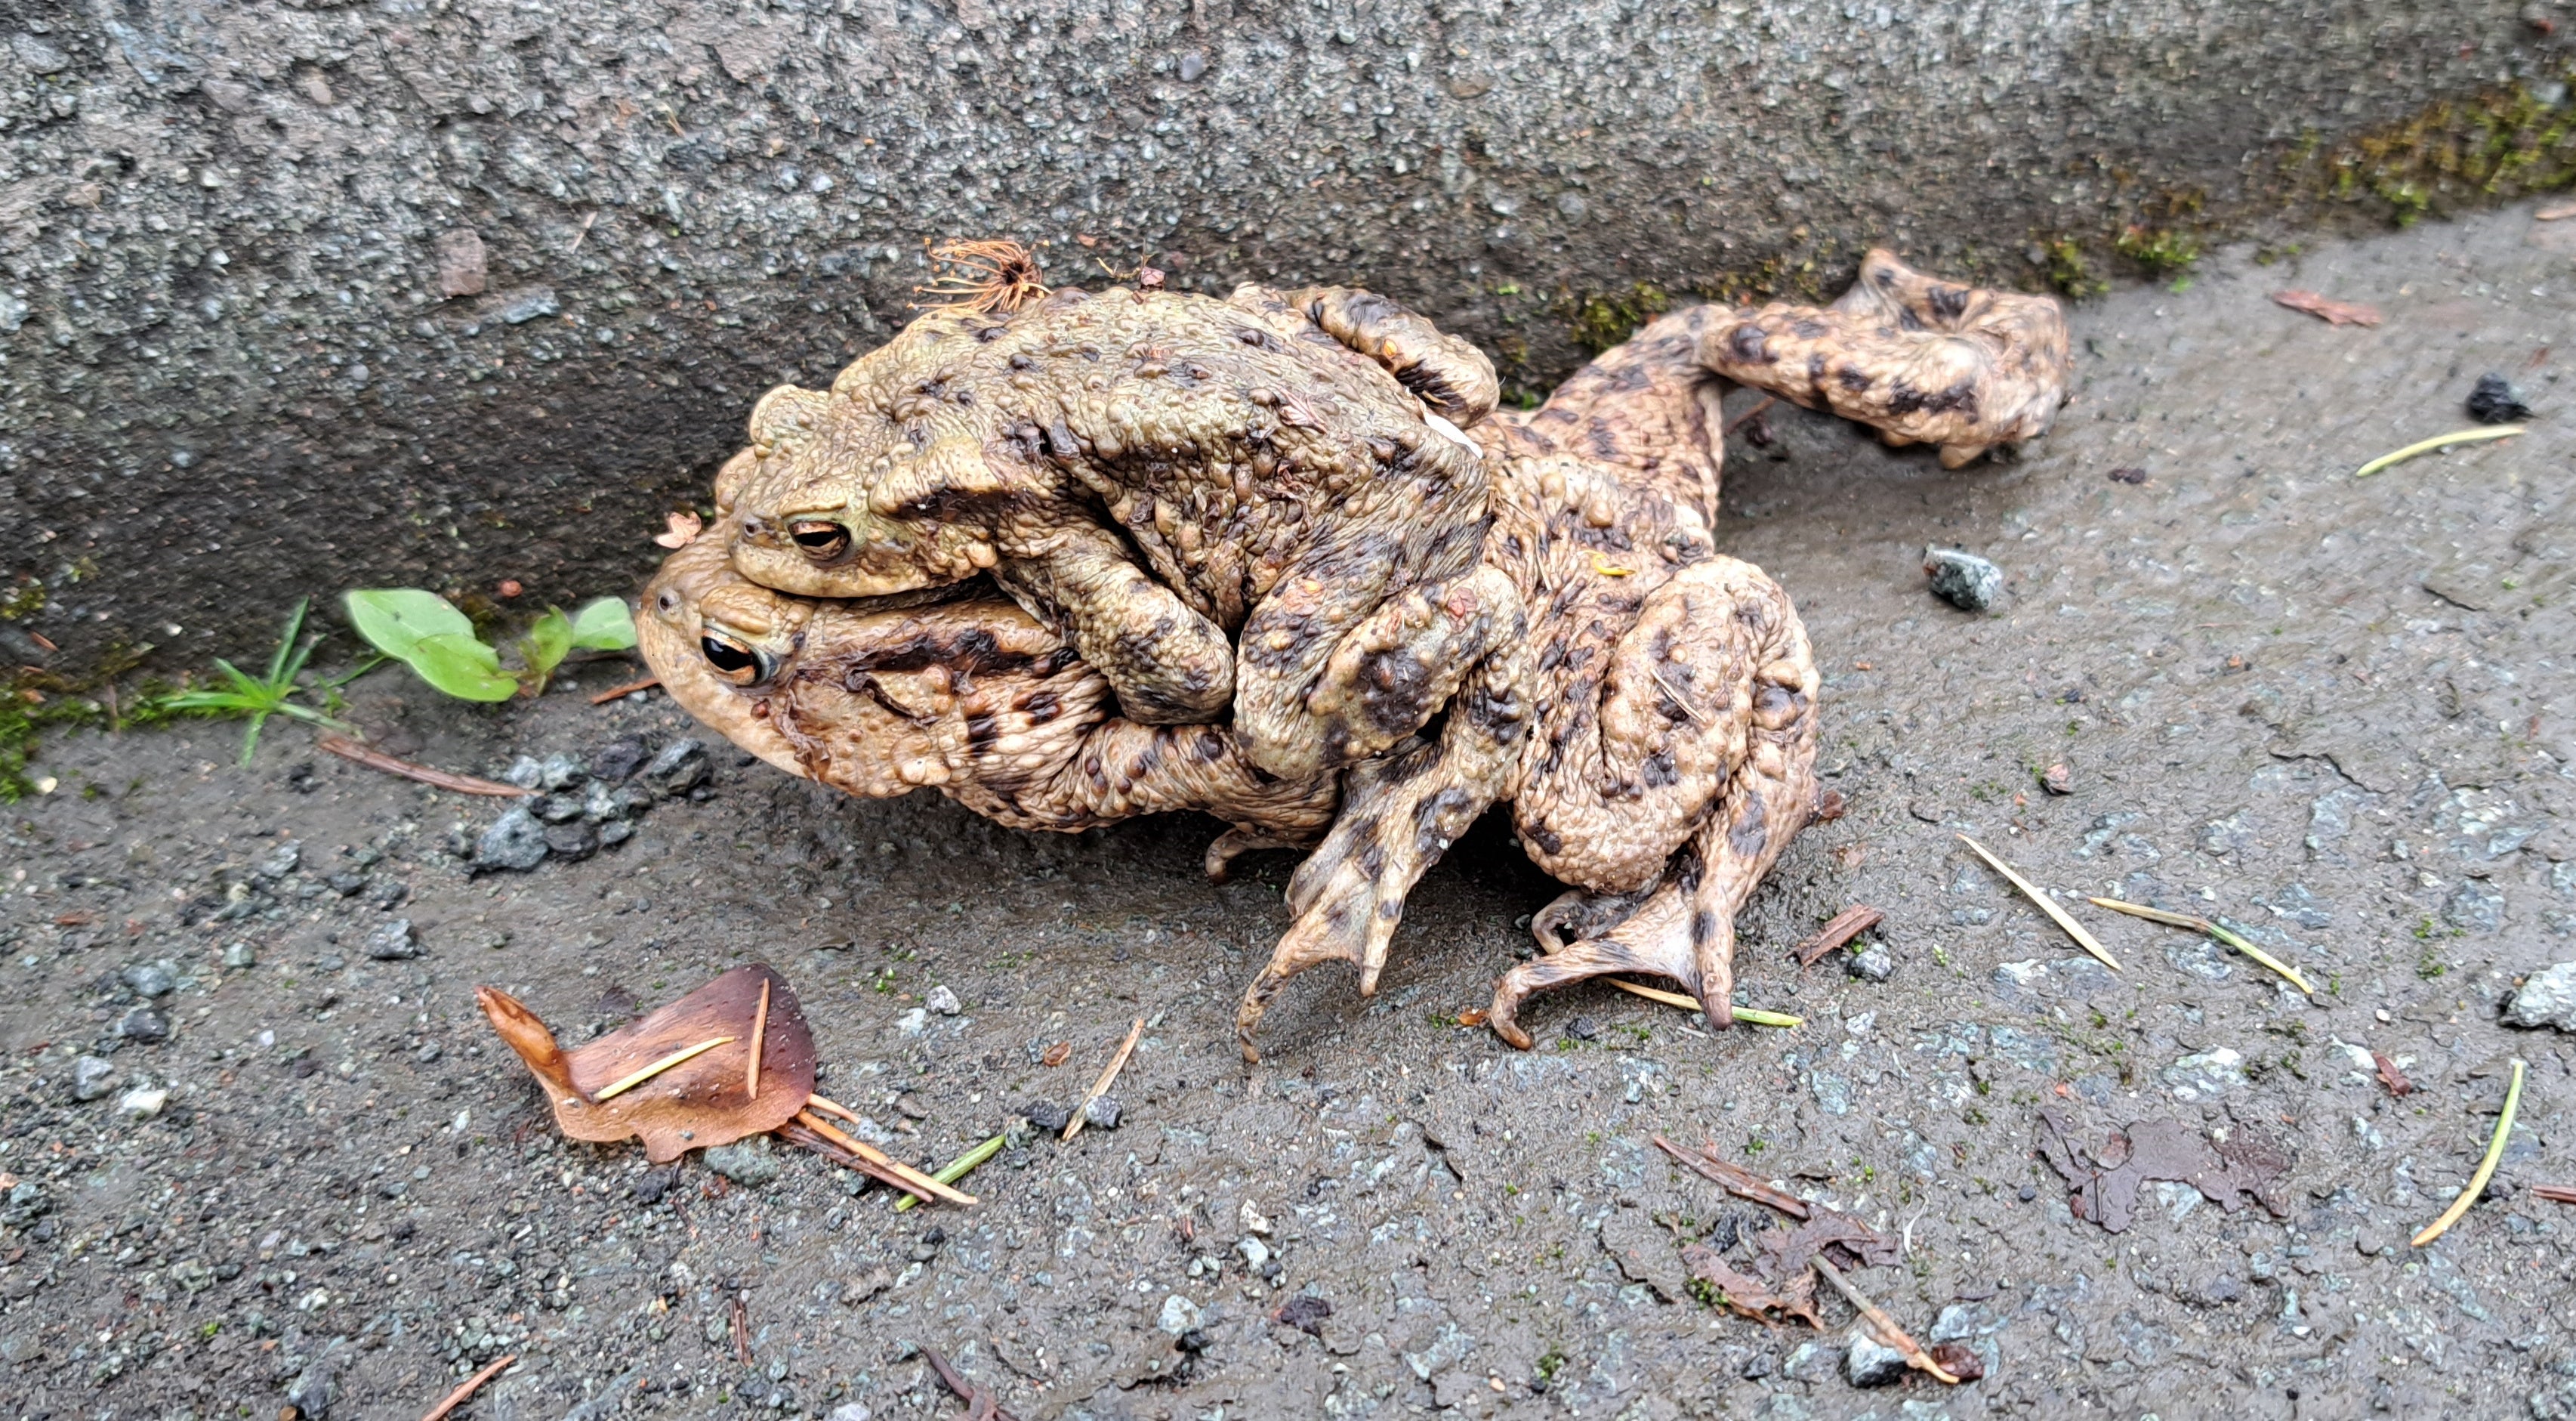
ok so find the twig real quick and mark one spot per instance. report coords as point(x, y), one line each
point(470, 1385)
point(627, 1083)
point(816, 1102)
point(630, 688)
point(2554, 1193)
point(1753, 1015)
point(1888, 1332)
point(2046, 904)
point(1100, 1087)
point(980, 1403)
point(896, 1171)
point(1750, 415)
point(2486, 1167)
point(1850, 923)
point(583, 233)
point(741, 1330)
point(2438, 441)
point(1734, 1178)
point(2204, 925)
point(957, 1169)
point(759, 1029)
point(351, 750)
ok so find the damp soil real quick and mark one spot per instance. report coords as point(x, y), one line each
point(2335, 713)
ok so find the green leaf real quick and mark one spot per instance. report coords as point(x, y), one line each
point(604, 625)
point(549, 638)
point(456, 663)
point(395, 619)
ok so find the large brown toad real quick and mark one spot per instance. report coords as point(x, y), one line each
point(1653, 724)
point(1152, 473)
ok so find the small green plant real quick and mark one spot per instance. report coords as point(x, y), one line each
point(2069, 272)
point(262, 696)
point(2162, 251)
point(426, 632)
point(2429, 964)
point(1551, 1362)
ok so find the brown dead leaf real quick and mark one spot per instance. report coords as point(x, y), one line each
point(2105, 1189)
point(684, 530)
point(700, 1102)
point(1057, 1054)
point(1734, 1178)
point(1850, 923)
point(2327, 309)
point(1840, 1238)
point(2392, 1077)
point(1751, 1296)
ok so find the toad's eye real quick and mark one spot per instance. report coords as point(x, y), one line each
point(821, 542)
point(735, 661)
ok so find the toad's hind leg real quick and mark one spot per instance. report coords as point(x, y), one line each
point(1400, 813)
point(1922, 360)
point(1685, 930)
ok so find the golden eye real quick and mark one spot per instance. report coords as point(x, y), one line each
point(822, 542)
point(734, 660)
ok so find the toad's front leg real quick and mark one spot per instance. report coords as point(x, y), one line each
point(1168, 664)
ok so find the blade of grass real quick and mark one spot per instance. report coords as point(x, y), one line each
point(2486, 1166)
point(2438, 441)
point(686, 1053)
point(956, 1169)
point(2203, 925)
point(286, 644)
point(2047, 905)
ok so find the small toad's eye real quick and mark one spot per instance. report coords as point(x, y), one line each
point(734, 660)
point(821, 542)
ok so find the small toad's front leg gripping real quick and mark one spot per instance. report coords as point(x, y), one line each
point(1922, 360)
point(1168, 664)
point(1400, 813)
point(1450, 375)
point(1381, 678)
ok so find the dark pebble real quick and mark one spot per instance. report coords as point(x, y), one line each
point(619, 759)
point(1047, 1116)
point(388, 892)
point(1964, 580)
point(681, 767)
point(615, 831)
point(1103, 1111)
point(515, 841)
point(1875, 964)
point(150, 980)
point(1583, 1028)
point(559, 808)
point(143, 1024)
point(348, 884)
point(393, 942)
point(572, 842)
point(2495, 401)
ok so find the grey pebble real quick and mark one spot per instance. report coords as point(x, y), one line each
point(680, 767)
point(313, 1390)
point(1964, 580)
point(1047, 1116)
point(525, 772)
point(572, 842)
point(746, 1162)
point(619, 759)
point(1870, 1362)
point(616, 831)
point(1102, 1111)
point(143, 1024)
point(279, 861)
point(347, 884)
point(515, 841)
point(1583, 1028)
point(92, 1077)
point(393, 942)
point(2546, 998)
point(560, 808)
point(150, 980)
point(387, 893)
point(943, 1001)
point(1874, 964)
point(560, 772)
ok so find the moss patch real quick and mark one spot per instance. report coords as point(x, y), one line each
point(1600, 322)
point(2501, 144)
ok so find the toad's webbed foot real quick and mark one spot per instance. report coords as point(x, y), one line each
point(1922, 360)
point(1400, 812)
point(1385, 675)
point(1168, 664)
point(1685, 927)
point(1450, 375)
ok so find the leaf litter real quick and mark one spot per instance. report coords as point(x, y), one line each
point(2104, 1182)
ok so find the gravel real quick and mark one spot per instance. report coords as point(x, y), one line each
point(680, 767)
point(1101, 1112)
point(151, 980)
point(943, 1001)
point(1868, 1362)
point(2546, 998)
point(393, 942)
point(1871, 964)
point(1047, 1116)
point(516, 841)
point(92, 1077)
point(748, 1162)
point(143, 1024)
point(1964, 580)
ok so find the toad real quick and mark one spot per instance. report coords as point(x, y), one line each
point(1263, 503)
point(1652, 721)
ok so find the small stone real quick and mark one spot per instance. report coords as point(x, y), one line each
point(143, 1024)
point(313, 1390)
point(387, 893)
point(572, 842)
point(91, 1076)
point(2369, 1242)
point(1179, 1315)
point(347, 884)
point(2546, 998)
point(1193, 64)
point(1047, 1116)
point(557, 773)
point(461, 269)
point(150, 980)
point(913, 1022)
point(393, 942)
point(1253, 1220)
point(2218, 1290)
point(854, 1411)
point(516, 841)
point(1583, 1028)
point(526, 772)
point(240, 954)
point(560, 808)
point(615, 831)
point(1872, 964)
point(279, 861)
point(600, 804)
point(681, 767)
point(143, 1102)
point(1870, 1362)
point(944, 1001)
point(746, 1162)
point(2206, 1075)
point(2495, 401)
point(1964, 580)
point(2057, 779)
point(619, 759)
point(1102, 1111)
point(2476, 906)
point(1254, 1251)
point(525, 304)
